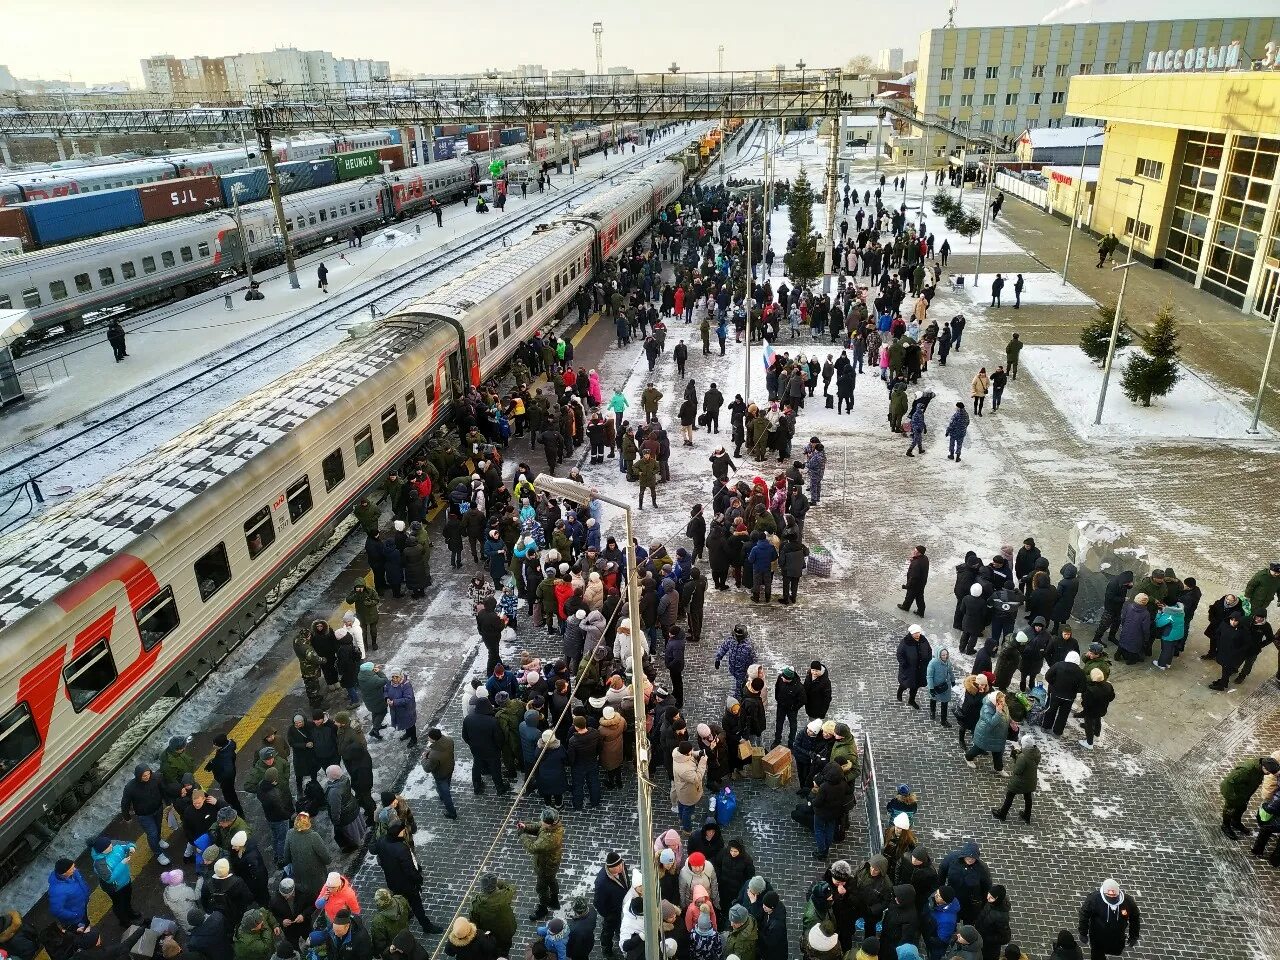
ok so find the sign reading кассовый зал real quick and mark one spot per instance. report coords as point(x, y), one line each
point(358, 163)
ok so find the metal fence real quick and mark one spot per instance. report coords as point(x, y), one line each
point(871, 797)
point(1030, 192)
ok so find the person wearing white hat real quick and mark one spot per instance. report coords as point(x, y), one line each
point(899, 841)
point(354, 630)
point(1022, 779)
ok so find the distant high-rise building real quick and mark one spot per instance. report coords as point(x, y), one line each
point(7, 81)
point(890, 59)
point(238, 72)
point(620, 72)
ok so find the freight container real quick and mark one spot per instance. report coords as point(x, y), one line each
point(513, 135)
point(177, 198)
point(357, 164)
point(252, 184)
point(84, 215)
point(448, 130)
point(298, 175)
point(470, 127)
point(394, 134)
point(394, 155)
point(443, 149)
point(13, 223)
point(476, 142)
point(539, 130)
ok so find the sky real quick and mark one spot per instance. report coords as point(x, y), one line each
point(107, 40)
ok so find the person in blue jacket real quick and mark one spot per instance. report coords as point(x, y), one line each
point(111, 867)
point(943, 916)
point(68, 895)
point(741, 655)
point(940, 677)
point(1171, 628)
point(761, 557)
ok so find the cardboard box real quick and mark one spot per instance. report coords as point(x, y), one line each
point(777, 760)
point(780, 779)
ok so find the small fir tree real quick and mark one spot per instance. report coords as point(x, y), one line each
point(1154, 372)
point(943, 203)
point(962, 222)
point(804, 259)
point(1096, 335)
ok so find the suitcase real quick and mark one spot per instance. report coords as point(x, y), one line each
point(777, 760)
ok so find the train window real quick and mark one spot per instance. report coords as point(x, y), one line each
point(493, 337)
point(324, 215)
point(411, 406)
point(299, 497)
point(364, 445)
point(519, 315)
point(311, 219)
point(157, 618)
point(202, 250)
point(557, 284)
point(431, 390)
point(252, 237)
point(528, 307)
point(148, 264)
point(506, 326)
point(31, 298)
point(186, 255)
point(343, 210)
point(128, 270)
point(390, 424)
point(82, 283)
point(19, 738)
point(6, 303)
point(259, 532)
point(58, 290)
point(573, 270)
point(106, 277)
point(537, 300)
point(167, 259)
point(89, 674)
point(333, 213)
point(547, 294)
point(335, 471)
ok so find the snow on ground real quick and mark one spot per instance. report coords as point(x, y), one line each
point(1199, 407)
point(1040, 289)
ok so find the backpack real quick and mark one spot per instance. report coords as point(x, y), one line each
point(102, 870)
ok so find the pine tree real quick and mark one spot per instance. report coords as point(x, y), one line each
point(804, 259)
point(962, 222)
point(1096, 335)
point(1154, 372)
point(943, 203)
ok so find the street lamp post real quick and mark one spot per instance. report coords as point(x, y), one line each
point(1115, 322)
point(748, 302)
point(580, 493)
point(723, 103)
point(982, 230)
point(1075, 213)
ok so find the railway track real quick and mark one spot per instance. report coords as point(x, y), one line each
point(109, 422)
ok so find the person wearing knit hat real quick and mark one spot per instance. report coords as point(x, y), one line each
point(544, 842)
point(222, 869)
point(822, 943)
point(697, 870)
point(1022, 779)
point(743, 935)
point(870, 950)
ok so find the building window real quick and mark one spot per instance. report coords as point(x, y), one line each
point(1010, 99)
point(1060, 70)
point(988, 126)
point(1077, 121)
point(89, 674)
point(1006, 126)
point(948, 72)
point(213, 572)
point(966, 99)
point(334, 470)
point(157, 618)
point(1059, 97)
point(1086, 69)
point(1109, 67)
point(1035, 98)
point(1235, 236)
point(1151, 169)
point(1143, 230)
point(988, 99)
point(259, 532)
point(19, 738)
point(993, 73)
point(1037, 70)
point(970, 73)
point(1015, 73)
point(1134, 66)
point(944, 100)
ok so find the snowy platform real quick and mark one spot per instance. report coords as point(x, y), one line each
point(1042, 289)
point(1198, 407)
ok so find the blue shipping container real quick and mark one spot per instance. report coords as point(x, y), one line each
point(84, 215)
point(394, 134)
point(252, 183)
point(513, 135)
point(470, 128)
point(298, 175)
point(444, 149)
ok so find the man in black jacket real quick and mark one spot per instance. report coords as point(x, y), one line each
point(1109, 920)
point(490, 623)
point(348, 939)
point(917, 578)
point(143, 798)
point(583, 754)
point(480, 731)
point(402, 872)
point(1112, 603)
point(611, 886)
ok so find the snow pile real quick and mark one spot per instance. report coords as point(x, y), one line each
point(394, 238)
point(1197, 408)
point(1040, 289)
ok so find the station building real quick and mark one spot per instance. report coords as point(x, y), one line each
point(1199, 152)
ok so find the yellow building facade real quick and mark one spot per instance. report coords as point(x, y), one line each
point(1201, 154)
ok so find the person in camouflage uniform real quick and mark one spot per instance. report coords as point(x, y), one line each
point(647, 476)
point(366, 603)
point(368, 514)
point(544, 842)
point(311, 667)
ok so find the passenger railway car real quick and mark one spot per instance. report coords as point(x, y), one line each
point(138, 587)
point(154, 263)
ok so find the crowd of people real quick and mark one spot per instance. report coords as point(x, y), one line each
point(561, 728)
